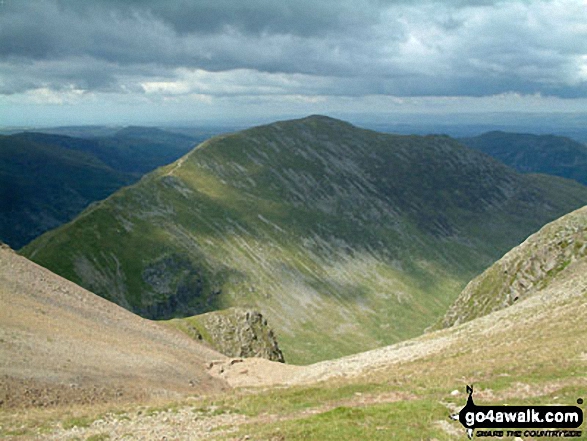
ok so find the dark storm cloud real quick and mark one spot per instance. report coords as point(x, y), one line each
point(302, 17)
point(215, 35)
point(345, 47)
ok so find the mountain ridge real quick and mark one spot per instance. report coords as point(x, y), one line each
point(307, 219)
point(47, 179)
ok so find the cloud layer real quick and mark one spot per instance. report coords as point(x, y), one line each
point(332, 48)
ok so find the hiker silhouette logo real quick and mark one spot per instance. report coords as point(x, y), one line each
point(511, 420)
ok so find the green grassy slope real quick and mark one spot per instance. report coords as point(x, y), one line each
point(345, 239)
point(554, 155)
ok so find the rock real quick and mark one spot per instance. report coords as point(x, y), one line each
point(525, 270)
point(235, 332)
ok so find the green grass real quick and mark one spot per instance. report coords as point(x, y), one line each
point(80, 421)
point(98, 437)
point(345, 239)
point(407, 420)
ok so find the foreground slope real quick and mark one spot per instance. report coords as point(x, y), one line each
point(61, 344)
point(531, 353)
point(526, 270)
point(345, 239)
point(527, 153)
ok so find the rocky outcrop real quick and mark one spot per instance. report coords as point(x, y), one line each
point(525, 270)
point(235, 332)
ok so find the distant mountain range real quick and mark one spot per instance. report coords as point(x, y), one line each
point(553, 155)
point(345, 238)
point(37, 194)
point(46, 180)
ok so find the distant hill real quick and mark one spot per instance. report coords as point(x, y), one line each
point(552, 253)
point(553, 155)
point(345, 239)
point(43, 186)
point(131, 149)
point(62, 345)
point(46, 179)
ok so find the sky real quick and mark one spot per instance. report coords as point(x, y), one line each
point(65, 62)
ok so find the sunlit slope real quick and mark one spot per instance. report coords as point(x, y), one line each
point(346, 239)
point(61, 344)
point(526, 270)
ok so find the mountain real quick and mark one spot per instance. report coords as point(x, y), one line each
point(142, 149)
point(62, 345)
point(43, 186)
point(345, 239)
point(131, 149)
point(46, 179)
point(555, 252)
point(553, 155)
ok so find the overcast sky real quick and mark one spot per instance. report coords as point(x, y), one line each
point(157, 61)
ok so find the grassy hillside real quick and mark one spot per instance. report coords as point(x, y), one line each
point(553, 155)
point(46, 180)
point(525, 270)
point(531, 353)
point(345, 239)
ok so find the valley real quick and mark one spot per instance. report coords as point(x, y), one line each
point(337, 249)
point(47, 179)
point(529, 353)
point(344, 238)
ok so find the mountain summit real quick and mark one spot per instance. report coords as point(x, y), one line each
point(346, 239)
